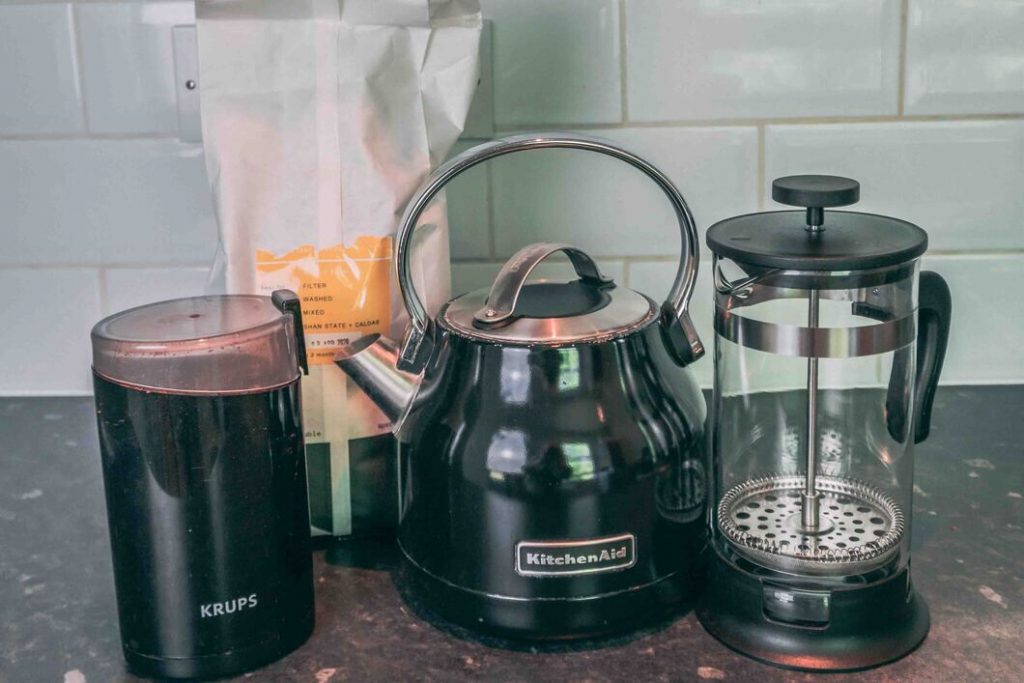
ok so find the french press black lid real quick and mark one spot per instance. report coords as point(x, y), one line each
point(817, 240)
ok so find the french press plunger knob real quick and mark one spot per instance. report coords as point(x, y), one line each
point(815, 192)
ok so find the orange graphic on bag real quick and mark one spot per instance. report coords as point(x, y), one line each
point(345, 291)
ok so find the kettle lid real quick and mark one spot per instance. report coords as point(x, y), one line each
point(592, 308)
point(815, 239)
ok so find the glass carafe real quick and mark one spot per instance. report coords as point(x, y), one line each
point(828, 346)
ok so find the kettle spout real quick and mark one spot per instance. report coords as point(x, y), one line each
point(372, 363)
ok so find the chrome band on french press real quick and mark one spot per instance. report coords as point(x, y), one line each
point(896, 301)
point(828, 280)
point(815, 342)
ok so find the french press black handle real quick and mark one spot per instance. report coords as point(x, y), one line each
point(816, 192)
point(934, 310)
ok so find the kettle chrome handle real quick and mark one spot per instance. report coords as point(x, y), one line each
point(679, 333)
point(501, 301)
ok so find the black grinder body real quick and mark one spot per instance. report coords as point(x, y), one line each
point(209, 527)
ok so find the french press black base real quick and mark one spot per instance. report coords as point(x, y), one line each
point(840, 628)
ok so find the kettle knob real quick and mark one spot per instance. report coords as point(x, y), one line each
point(815, 192)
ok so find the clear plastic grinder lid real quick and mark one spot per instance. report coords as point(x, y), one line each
point(231, 344)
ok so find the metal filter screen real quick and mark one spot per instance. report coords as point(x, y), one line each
point(860, 528)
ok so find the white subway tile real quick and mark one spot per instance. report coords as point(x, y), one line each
point(987, 323)
point(740, 59)
point(965, 57)
point(654, 278)
point(555, 62)
point(128, 65)
point(468, 213)
point(960, 181)
point(104, 201)
point(480, 118)
point(38, 80)
point(610, 209)
point(46, 341)
point(469, 277)
point(130, 287)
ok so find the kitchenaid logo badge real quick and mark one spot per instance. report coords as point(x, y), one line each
point(219, 609)
point(567, 558)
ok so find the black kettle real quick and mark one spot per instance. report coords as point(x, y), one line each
point(552, 462)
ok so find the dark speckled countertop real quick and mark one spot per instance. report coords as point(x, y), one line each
point(58, 620)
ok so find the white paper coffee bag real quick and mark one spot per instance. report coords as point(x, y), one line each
point(320, 119)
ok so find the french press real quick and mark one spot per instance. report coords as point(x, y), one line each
point(828, 348)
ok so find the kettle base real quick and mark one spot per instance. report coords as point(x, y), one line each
point(548, 619)
point(856, 628)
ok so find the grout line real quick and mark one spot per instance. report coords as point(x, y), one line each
point(693, 123)
point(45, 393)
point(500, 260)
point(992, 253)
point(902, 76)
point(760, 168)
point(487, 260)
point(101, 274)
point(75, 137)
point(671, 258)
point(476, 261)
point(48, 266)
point(492, 240)
point(623, 90)
point(524, 128)
point(627, 270)
point(654, 258)
point(108, 265)
point(64, 2)
point(76, 53)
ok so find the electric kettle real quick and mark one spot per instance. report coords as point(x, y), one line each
point(552, 473)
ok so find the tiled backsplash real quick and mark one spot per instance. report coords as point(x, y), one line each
point(746, 60)
point(921, 100)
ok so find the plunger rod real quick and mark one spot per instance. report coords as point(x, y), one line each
point(810, 516)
